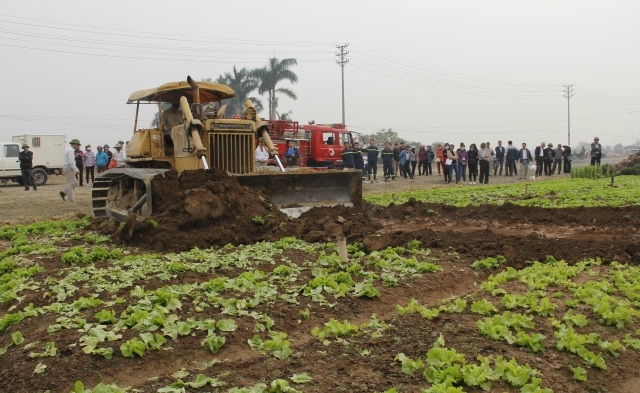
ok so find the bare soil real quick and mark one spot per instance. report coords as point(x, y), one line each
point(456, 236)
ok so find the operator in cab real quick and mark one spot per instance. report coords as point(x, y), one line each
point(171, 118)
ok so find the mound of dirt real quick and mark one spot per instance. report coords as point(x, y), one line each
point(629, 162)
point(203, 209)
point(211, 208)
point(331, 222)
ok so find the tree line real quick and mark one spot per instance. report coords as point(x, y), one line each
point(265, 81)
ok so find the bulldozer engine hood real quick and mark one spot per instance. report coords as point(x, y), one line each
point(172, 91)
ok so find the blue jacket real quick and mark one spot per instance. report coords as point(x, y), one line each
point(403, 157)
point(102, 159)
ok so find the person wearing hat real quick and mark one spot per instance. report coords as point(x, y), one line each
point(70, 169)
point(171, 118)
point(89, 163)
point(549, 155)
point(596, 152)
point(109, 155)
point(119, 156)
point(102, 160)
point(26, 167)
point(79, 163)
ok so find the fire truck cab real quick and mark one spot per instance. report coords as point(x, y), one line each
point(320, 145)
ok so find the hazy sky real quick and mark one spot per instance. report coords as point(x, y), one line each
point(452, 70)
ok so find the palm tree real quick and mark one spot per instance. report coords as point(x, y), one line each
point(275, 72)
point(243, 85)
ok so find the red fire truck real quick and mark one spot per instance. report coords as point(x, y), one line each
point(320, 145)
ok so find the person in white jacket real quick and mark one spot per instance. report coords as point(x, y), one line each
point(262, 154)
point(119, 156)
point(69, 169)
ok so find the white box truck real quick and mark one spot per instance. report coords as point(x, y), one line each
point(48, 157)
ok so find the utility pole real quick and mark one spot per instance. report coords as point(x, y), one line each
point(342, 62)
point(568, 93)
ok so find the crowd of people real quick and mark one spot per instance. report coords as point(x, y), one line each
point(79, 164)
point(459, 164)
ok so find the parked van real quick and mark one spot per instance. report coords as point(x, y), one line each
point(48, 157)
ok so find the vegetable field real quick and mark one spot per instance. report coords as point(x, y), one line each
point(530, 288)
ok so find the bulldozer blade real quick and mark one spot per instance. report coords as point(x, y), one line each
point(297, 191)
point(123, 192)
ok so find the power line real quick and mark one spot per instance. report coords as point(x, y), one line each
point(154, 36)
point(145, 58)
point(394, 60)
point(449, 90)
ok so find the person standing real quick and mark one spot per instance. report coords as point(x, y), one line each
point(89, 163)
point(484, 156)
point(102, 160)
point(500, 154)
point(405, 162)
point(26, 167)
point(109, 155)
point(440, 159)
point(492, 157)
point(557, 159)
point(472, 156)
point(422, 156)
point(347, 156)
point(452, 159)
point(358, 160)
point(119, 156)
point(549, 155)
point(512, 157)
point(596, 151)
point(262, 155)
point(372, 159)
point(429, 156)
point(566, 159)
point(445, 167)
point(524, 157)
point(463, 159)
point(400, 165)
point(539, 153)
point(388, 156)
point(79, 163)
point(396, 159)
point(413, 158)
point(70, 169)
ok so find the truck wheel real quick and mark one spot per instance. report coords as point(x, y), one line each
point(40, 177)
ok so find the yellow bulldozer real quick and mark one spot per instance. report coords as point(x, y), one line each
point(207, 139)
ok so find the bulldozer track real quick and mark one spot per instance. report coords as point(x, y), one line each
point(110, 188)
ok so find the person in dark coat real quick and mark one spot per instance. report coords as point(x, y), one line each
point(372, 159)
point(26, 167)
point(358, 160)
point(549, 155)
point(347, 156)
point(387, 162)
